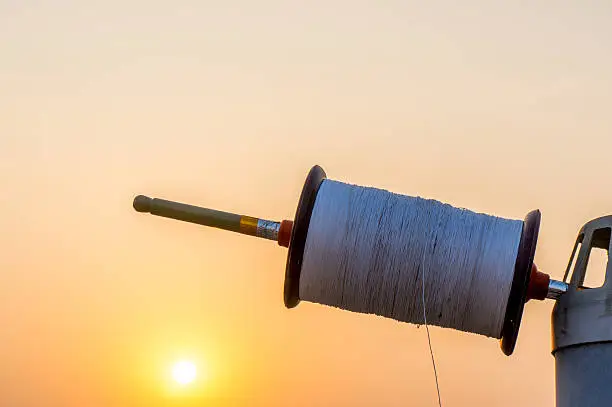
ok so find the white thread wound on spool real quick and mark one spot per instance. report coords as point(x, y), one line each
point(365, 249)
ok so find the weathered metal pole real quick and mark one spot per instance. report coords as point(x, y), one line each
point(582, 328)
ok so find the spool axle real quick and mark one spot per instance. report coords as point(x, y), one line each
point(541, 286)
point(247, 225)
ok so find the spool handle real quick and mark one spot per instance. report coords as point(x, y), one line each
point(247, 225)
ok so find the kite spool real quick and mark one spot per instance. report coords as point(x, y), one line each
point(518, 284)
point(520, 281)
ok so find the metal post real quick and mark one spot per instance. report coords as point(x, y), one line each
point(582, 328)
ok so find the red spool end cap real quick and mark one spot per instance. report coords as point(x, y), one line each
point(538, 285)
point(284, 233)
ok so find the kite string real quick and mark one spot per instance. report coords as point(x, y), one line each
point(433, 360)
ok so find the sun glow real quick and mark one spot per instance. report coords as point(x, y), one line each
point(184, 372)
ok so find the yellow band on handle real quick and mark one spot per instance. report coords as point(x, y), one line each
point(248, 225)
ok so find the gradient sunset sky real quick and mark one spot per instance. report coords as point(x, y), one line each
point(500, 107)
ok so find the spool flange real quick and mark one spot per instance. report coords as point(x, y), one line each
point(520, 282)
point(298, 235)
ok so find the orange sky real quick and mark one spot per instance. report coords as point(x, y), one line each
point(497, 108)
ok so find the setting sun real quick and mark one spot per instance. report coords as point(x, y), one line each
point(184, 372)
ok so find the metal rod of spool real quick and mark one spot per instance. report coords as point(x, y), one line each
point(556, 289)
